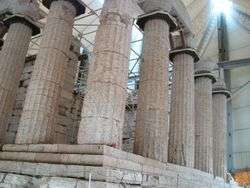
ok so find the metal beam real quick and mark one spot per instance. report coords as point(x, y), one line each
point(227, 65)
point(222, 38)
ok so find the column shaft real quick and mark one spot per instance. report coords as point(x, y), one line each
point(220, 95)
point(12, 58)
point(104, 104)
point(219, 134)
point(151, 137)
point(203, 124)
point(181, 136)
point(41, 104)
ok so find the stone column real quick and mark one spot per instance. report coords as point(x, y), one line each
point(151, 134)
point(104, 103)
point(203, 116)
point(182, 119)
point(220, 95)
point(12, 58)
point(3, 30)
point(41, 104)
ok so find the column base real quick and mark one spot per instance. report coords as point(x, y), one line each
point(100, 164)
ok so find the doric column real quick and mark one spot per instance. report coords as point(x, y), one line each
point(41, 104)
point(182, 119)
point(12, 58)
point(3, 30)
point(203, 116)
point(220, 95)
point(104, 104)
point(151, 134)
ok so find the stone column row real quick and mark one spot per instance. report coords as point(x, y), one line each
point(12, 58)
point(41, 105)
point(181, 136)
point(103, 112)
point(220, 95)
point(203, 116)
point(105, 100)
point(151, 136)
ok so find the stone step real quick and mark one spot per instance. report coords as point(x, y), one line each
point(171, 178)
point(84, 149)
point(72, 171)
point(102, 162)
point(74, 159)
point(93, 155)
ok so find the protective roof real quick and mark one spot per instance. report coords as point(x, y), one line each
point(204, 27)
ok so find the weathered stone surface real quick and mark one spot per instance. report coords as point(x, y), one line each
point(67, 120)
point(18, 180)
point(70, 104)
point(29, 8)
point(203, 117)
point(174, 176)
point(38, 119)
point(181, 141)
point(62, 183)
point(56, 182)
point(104, 104)
point(12, 58)
point(149, 6)
point(129, 130)
point(94, 150)
point(108, 164)
point(220, 95)
point(2, 176)
point(151, 135)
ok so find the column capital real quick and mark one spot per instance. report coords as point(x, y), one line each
point(204, 69)
point(190, 51)
point(219, 87)
point(78, 4)
point(159, 14)
point(17, 18)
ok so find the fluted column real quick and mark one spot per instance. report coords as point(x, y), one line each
point(182, 119)
point(12, 58)
point(151, 134)
point(220, 95)
point(203, 117)
point(41, 105)
point(3, 30)
point(104, 104)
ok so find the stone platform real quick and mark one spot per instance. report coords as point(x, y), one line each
point(101, 166)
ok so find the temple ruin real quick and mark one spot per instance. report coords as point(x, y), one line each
point(68, 118)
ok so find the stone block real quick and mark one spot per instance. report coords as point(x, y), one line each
point(2, 176)
point(7, 185)
point(20, 180)
point(62, 183)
